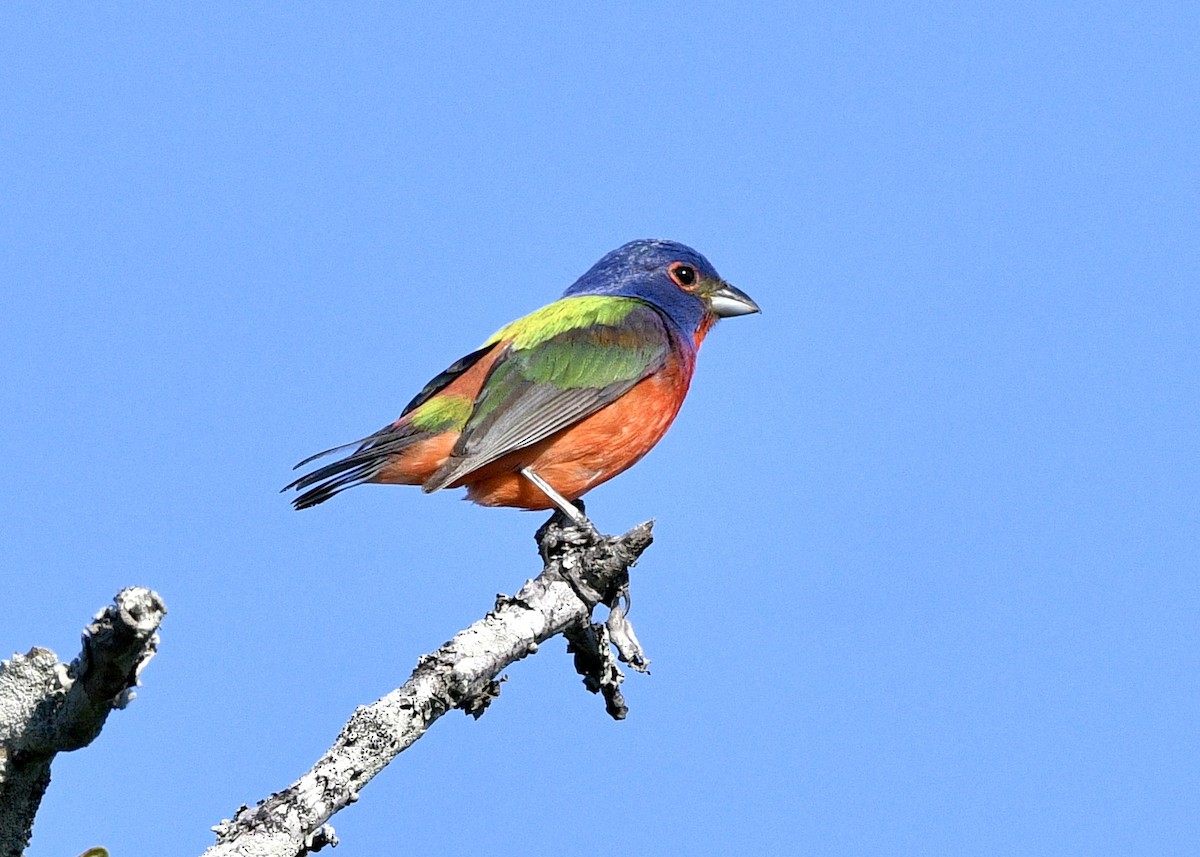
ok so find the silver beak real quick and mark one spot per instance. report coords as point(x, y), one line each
point(729, 301)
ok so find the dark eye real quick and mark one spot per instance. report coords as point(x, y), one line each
point(683, 275)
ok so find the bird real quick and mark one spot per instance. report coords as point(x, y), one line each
point(557, 402)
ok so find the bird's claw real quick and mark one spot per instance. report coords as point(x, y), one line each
point(575, 530)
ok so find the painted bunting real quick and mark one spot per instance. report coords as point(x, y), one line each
point(559, 401)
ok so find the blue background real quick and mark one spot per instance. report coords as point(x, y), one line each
point(926, 572)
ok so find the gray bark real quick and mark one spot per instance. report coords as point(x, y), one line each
point(47, 707)
point(581, 570)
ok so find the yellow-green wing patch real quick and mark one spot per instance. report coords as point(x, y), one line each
point(563, 315)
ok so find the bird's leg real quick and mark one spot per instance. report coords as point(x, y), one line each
point(562, 503)
point(555, 535)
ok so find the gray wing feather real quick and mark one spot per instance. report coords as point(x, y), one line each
point(555, 410)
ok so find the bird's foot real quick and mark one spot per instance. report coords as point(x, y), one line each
point(577, 525)
point(572, 510)
point(563, 530)
point(566, 534)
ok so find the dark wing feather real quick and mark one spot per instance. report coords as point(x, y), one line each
point(534, 393)
point(443, 380)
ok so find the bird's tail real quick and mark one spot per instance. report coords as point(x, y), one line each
point(371, 454)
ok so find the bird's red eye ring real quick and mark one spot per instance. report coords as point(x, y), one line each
point(683, 275)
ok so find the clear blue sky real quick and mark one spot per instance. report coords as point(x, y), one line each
point(928, 529)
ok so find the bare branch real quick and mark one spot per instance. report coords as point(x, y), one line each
point(47, 707)
point(580, 571)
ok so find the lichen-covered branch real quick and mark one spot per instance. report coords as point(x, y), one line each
point(580, 571)
point(47, 707)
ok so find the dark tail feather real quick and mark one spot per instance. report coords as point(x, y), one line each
point(359, 443)
point(358, 467)
point(338, 484)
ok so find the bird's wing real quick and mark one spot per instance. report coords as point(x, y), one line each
point(542, 384)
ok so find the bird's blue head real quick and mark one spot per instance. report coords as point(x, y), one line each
point(671, 276)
